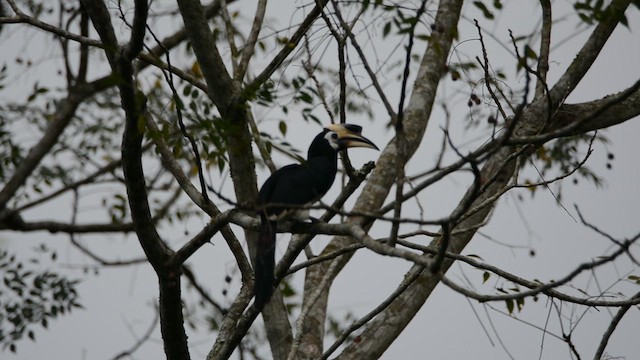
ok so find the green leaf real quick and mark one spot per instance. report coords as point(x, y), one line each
point(520, 302)
point(485, 276)
point(509, 306)
point(283, 127)
point(386, 29)
point(485, 11)
point(634, 278)
point(529, 53)
point(305, 97)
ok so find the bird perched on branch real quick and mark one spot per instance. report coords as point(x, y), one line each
point(295, 186)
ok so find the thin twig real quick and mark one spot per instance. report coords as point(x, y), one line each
point(179, 106)
point(314, 297)
point(488, 78)
point(250, 45)
point(372, 75)
point(230, 35)
point(144, 338)
point(406, 282)
point(610, 329)
point(545, 44)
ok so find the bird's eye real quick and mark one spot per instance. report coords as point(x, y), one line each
point(334, 136)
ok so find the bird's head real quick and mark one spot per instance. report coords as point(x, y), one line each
point(343, 136)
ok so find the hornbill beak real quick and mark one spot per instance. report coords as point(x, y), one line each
point(350, 135)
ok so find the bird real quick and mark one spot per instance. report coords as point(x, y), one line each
point(294, 186)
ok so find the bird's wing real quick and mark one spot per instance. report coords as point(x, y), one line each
point(272, 186)
point(266, 244)
point(294, 185)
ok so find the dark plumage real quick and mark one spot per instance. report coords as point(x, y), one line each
point(298, 185)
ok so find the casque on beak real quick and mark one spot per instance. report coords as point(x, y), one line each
point(349, 135)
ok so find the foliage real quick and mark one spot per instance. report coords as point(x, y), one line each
point(193, 130)
point(30, 297)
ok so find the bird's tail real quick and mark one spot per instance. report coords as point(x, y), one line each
point(265, 261)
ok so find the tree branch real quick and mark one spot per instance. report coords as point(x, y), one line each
point(226, 94)
point(26, 19)
point(144, 338)
point(250, 45)
point(574, 119)
point(16, 223)
point(406, 282)
point(221, 88)
point(287, 48)
point(545, 44)
point(60, 120)
point(235, 326)
point(612, 326)
point(588, 53)
point(372, 75)
point(390, 322)
point(382, 178)
point(206, 205)
point(133, 103)
point(136, 41)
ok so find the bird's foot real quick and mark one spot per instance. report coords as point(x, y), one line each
point(313, 220)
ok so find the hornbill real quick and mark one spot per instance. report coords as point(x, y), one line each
point(294, 186)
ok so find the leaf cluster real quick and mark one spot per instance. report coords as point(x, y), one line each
point(31, 297)
point(595, 11)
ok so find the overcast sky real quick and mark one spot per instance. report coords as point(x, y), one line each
point(119, 302)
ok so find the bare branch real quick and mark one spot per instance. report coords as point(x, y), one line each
point(144, 338)
point(133, 103)
point(488, 79)
point(572, 119)
point(203, 293)
point(545, 43)
point(61, 118)
point(206, 205)
point(588, 53)
point(104, 262)
point(406, 282)
point(15, 222)
point(83, 65)
point(329, 256)
point(612, 326)
point(202, 238)
point(148, 59)
point(372, 75)
point(379, 183)
point(26, 19)
point(230, 32)
point(235, 326)
point(221, 88)
point(536, 287)
point(288, 47)
point(111, 166)
point(136, 41)
point(313, 297)
point(266, 157)
point(250, 45)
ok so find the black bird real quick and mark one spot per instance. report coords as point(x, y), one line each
point(298, 185)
